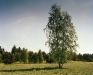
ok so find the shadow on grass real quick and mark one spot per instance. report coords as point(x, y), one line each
point(32, 69)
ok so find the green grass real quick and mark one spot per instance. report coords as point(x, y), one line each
point(70, 68)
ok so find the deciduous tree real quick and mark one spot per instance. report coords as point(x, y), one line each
point(24, 55)
point(18, 56)
point(61, 34)
point(7, 58)
point(35, 57)
point(30, 56)
point(40, 56)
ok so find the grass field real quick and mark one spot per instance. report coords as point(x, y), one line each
point(70, 68)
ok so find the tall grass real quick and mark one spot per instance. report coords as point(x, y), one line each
point(70, 68)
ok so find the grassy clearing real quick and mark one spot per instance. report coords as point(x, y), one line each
point(70, 68)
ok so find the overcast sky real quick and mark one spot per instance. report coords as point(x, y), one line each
point(22, 23)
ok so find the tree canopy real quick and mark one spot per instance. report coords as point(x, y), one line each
point(61, 34)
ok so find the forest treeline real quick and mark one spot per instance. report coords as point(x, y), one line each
point(22, 55)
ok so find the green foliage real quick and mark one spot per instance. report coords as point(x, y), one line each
point(35, 57)
point(18, 56)
point(87, 57)
point(61, 34)
point(8, 58)
point(0, 57)
point(14, 50)
point(17, 53)
point(71, 55)
point(74, 58)
point(24, 55)
point(44, 55)
point(19, 49)
point(30, 56)
point(2, 50)
point(47, 58)
point(40, 56)
point(80, 57)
